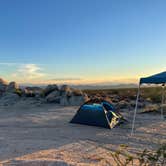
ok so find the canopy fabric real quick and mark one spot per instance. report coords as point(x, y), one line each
point(154, 79)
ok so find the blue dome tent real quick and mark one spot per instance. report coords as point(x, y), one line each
point(97, 113)
point(154, 79)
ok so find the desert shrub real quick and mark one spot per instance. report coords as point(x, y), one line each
point(156, 158)
point(156, 99)
point(152, 93)
point(145, 158)
point(42, 94)
point(18, 92)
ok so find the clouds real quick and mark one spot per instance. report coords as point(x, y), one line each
point(41, 74)
point(35, 73)
point(7, 64)
point(28, 72)
point(66, 79)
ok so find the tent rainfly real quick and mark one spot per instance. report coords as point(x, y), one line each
point(154, 79)
point(98, 113)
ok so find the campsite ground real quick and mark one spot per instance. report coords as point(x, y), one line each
point(42, 135)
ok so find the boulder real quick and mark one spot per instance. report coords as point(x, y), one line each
point(72, 97)
point(2, 81)
point(28, 93)
point(77, 92)
point(9, 98)
point(12, 87)
point(37, 91)
point(32, 92)
point(50, 88)
point(140, 104)
point(123, 104)
point(65, 88)
point(152, 108)
point(115, 98)
point(53, 97)
point(35, 88)
point(73, 100)
point(3, 85)
point(78, 100)
point(64, 101)
point(65, 91)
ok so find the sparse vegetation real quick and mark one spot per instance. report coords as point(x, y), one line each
point(146, 158)
point(151, 93)
point(18, 92)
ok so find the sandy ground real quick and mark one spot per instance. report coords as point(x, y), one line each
point(42, 135)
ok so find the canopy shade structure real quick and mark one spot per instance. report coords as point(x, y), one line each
point(154, 79)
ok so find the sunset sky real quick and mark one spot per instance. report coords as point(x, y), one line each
point(82, 41)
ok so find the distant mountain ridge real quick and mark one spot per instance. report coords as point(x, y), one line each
point(91, 86)
point(118, 86)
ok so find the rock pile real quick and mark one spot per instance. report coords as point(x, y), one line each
point(3, 85)
point(8, 92)
point(9, 98)
point(65, 96)
point(50, 88)
point(12, 87)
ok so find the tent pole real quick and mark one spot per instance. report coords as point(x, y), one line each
point(136, 107)
point(162, 102)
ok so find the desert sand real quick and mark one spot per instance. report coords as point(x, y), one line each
point(42, 135)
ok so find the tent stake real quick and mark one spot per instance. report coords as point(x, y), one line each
point(135, 111)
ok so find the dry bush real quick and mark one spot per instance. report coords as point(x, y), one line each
point(146, 158)
point(151, 93)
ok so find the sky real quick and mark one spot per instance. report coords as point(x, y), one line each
point(81, 41)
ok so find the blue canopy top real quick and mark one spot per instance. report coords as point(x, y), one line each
point(154, 79)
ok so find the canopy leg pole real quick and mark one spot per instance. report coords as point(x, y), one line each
point(162, 102)
point(135, 111)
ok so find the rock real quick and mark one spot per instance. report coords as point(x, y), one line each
point(35, 88)
point(152, 108)
point(50, 88)
point(140, 104)
point(9, 98)
point(37, 91)
point(123, 104)
point(3, 85)
point(57, 100)
point(148, 100)
point(53, 97)
point(72, 97)
point(115, 98)
point(12, 87)
point(65, 91)
point(65, 88)
point(64, 101)
point(2, 81)
point(73, 100)
point(77, 92)
point(28, 93)
point(78, 100)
